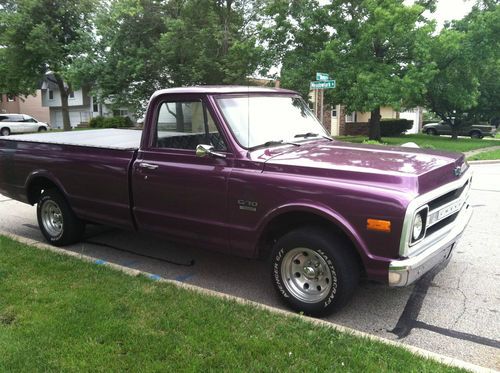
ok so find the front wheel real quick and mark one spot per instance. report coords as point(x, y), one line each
point(42, 129)
point(476, 135)
point(432, 132)
point(314, 272)
point(57, 221)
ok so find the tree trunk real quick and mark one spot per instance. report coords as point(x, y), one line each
point(64, 103)
point(374, 125)
point(454, 132)
point(179, 117)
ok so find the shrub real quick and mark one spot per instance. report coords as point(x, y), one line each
point(394, 127)
point(388, 127)
point(110, 122)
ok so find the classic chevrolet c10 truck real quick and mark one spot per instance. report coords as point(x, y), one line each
point(251, 172)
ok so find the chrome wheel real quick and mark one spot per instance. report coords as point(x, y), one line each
point(52, 218)
point(307, 275)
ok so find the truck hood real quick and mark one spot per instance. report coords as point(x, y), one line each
point(406, 169)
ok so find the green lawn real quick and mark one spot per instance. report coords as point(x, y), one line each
point(61, 314)
point(432, 142)
point(491, 155)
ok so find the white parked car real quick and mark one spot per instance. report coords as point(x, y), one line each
point(20, 123)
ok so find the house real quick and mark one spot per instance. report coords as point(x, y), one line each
point(82, 105)
point(29, 105)
point(339, 122)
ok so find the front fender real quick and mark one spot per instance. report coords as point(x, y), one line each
point(322, 211)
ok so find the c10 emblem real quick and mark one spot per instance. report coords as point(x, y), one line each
point(247, 205)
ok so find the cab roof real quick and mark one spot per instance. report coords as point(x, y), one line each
point(222, 89)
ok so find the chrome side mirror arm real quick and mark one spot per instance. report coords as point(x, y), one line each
point(203, 150)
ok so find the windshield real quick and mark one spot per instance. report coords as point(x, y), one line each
point(269, 120)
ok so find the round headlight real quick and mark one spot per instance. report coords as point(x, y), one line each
point(418, 226)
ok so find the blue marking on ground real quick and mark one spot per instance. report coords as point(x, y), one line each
point(100, 261)
point(154, 277)
point(182, 278)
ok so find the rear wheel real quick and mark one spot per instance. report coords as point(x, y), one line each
point(5, 131)
point(314, 271)
point(56, 220)
point(476, 135)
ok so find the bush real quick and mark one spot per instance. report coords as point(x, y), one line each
point(110, 122)
point(388, 127)
point(394, 127)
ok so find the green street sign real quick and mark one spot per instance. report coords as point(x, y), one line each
point(323, 84)
point(322, 76)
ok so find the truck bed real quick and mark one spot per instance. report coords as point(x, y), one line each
point(119, 139)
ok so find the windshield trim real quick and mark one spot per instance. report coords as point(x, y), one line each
point(261, 94)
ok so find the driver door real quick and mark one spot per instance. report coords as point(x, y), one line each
point(176, 193)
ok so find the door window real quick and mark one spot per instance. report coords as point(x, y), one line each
point(185, 125)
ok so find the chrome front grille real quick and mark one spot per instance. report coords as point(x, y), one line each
point(442, 206)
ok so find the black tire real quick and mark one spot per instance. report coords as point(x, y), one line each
point(327, 254)
point(5, 131)
point(432, 132)
point(42, 129)
point(57, 221)
point(476, 135)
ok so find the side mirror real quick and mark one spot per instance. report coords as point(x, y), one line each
point(203, 150)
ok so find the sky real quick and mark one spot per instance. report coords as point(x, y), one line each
point(448, 10)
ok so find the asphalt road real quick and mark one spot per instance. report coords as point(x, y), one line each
point(454, 312)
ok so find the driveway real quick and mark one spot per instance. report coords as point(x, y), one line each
point(454, 312)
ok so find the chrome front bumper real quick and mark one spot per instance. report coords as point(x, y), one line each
point(406, 271)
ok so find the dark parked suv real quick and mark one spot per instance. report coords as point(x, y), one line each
point(476, 131)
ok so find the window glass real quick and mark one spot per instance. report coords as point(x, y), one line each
point(185, 125)
point(71, 94)
point(51, 94)
point(11, 98)
point(257, 120)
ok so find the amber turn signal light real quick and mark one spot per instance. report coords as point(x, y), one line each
point(378, 225)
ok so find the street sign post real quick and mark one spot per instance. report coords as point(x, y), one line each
point(323, 84)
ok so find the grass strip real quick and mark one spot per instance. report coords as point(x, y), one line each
point(485, 156)
point(61, 314)
point(430, 142)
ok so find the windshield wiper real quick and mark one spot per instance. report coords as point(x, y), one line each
point(275, 142)
point(312, 134)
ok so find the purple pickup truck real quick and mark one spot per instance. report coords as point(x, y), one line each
point(250, 171)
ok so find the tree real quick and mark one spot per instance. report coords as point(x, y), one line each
point(40, 37)
point(150, 44)
point(466, 86)
point(369, 47)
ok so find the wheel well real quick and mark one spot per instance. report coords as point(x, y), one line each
point(37, 186)
point(284, 223)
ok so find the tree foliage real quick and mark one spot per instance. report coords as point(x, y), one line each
point(466, 85)
point(369, 47)
point(149, 44)
point(41, 36)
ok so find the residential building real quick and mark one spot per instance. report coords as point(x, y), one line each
point(29, 105)
point(82, 105)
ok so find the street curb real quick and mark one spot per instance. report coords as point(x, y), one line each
point(488, 161)
point(135, 272)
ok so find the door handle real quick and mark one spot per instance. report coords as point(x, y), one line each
point(149, 166)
